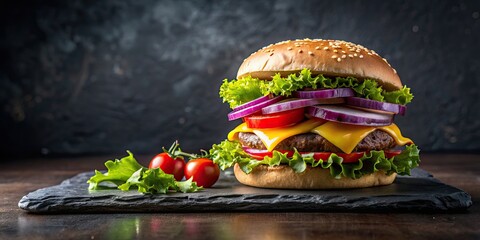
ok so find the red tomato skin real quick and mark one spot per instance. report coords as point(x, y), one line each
point(204, 172)
point(351, 157)
point(168, 165)
point(275, 120)
point(392, 153)
point(179, 169)
point(347, 158)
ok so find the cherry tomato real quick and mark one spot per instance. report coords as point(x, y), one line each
point(204, 172)
point(276, 119)
point(169, 165)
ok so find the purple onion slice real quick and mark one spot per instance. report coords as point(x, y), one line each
point(325, 93)
point(251, 103)
point(252, 109)
point(348, 115)
point(299, 103)
point(376, 105)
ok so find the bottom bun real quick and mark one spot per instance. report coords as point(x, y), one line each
point(312, 178)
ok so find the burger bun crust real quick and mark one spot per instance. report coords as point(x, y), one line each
point(327, 57)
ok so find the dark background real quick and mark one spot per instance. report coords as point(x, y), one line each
point(99, 77)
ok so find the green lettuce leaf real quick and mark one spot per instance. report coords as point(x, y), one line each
point(227, 153)
point(119, 171)
point(156, 181)
point(187, 186)
point(239, 91)
point(127, 173)
point(402, 96)
point(406, 160)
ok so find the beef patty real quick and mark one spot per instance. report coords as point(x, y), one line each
point(310, 142)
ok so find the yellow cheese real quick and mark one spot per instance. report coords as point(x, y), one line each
point(394, 131)
point(273, 136)
point(344, 136)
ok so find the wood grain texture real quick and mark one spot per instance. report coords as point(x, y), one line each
point(20, 177)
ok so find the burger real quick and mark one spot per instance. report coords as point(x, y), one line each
point(316, 114)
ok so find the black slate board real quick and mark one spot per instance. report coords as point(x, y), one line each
point(419, 192)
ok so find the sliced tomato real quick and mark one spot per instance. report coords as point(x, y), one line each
point(347, 157)
point(392, 153)
point(351, 157)
point(321, 155)
point(275, 120)
point(260, 154)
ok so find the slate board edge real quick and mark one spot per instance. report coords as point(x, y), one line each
point(249, 203)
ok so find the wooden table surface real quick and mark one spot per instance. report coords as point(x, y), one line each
point(18, 177)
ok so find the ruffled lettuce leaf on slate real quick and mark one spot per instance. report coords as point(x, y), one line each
point(127, 173)
point(239, 91)
point(227, 153)
point(119, 171)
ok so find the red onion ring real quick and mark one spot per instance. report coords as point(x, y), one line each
point(299, 103)
point(252, 109)
point(251, 103)
point(350, 116)
point(376, 105)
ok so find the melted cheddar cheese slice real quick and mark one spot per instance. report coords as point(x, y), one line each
point(271, 137)
point(344, 136)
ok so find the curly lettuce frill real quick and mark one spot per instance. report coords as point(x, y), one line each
point(226, 154)
point(239, 91)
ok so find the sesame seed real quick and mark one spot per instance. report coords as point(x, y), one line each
point(395, 71)
point(339, 59)
point(343, 51)
point(289, 48)
point(300, 51)
point(311, 53)
point(334, 56)
point(335, 51)
point(344, 56)
point(325, 48)
point(316, 48)
point(271, 54)
point(358, 50)
point(355, 54)
point(361, 56)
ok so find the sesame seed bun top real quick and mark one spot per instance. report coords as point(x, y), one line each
point(327, 57)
